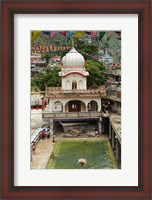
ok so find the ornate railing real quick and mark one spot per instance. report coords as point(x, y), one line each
point(57, 92)
point(72, 115)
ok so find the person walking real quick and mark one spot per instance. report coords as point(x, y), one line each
point(53, 139)
point(33, 148)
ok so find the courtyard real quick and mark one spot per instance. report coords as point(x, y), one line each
point(67, 151)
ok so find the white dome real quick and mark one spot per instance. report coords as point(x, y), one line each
point(73, 58)
point(63, 60)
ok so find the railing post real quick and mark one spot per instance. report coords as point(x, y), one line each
point(100, 125)
point(51, 126)
point(109, 130)
point(113, 139)
point(117, 150)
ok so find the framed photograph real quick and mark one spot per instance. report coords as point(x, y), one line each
point(75, 99)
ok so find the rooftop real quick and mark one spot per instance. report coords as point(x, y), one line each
point(57, 92)
point(115, 121)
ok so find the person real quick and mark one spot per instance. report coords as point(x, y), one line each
point(52, 155)
point(85, 141)
point(48, 135)
point(106, 108)
point(53, 139)
point(43, 104)
point(109, 107)
point(33, 147)
point(43, 134)
point(47, 132)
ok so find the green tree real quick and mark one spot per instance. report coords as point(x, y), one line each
point(96, 76)
point(85, 47)
point(46, 57)
point(50, 78)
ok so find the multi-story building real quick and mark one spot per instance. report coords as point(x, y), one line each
point(72, 103)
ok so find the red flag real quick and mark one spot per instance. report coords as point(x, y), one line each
point(93, 34)
point(63, 33)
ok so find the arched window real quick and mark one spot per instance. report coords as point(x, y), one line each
point(57, 106)
point(68, 85)
point(92, 106)
point(80, 84)
point(74, 85)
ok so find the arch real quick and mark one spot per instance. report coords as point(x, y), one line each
point(58, 128)
point(80, 84)
point(92, 106)
point(75, 106)
point(74, 85)
point(57, 106)
point(68, 85)
point(75, 72)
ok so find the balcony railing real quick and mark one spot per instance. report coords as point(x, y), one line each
point(58, 92)
point(72, 115)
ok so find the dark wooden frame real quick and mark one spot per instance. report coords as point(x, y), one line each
point(11, 7)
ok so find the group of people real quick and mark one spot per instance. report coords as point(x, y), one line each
point(106, 107)
point(45, 133)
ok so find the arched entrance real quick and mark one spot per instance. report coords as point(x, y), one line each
point(92, 106)
point(58, 129)
point(75, 106)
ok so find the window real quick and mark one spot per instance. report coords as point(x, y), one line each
point(80, 85)
point(74, 85)
point(68, 85)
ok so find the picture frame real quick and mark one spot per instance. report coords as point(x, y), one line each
point(9, 9)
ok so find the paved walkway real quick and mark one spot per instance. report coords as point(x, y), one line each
point(42, 154)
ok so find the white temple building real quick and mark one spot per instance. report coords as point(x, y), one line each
point(73, 103)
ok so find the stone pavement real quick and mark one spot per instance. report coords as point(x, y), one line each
point(42, 154)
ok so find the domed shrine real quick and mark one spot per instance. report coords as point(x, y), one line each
point(73, 71)
point(73, 103)
point(73, 58)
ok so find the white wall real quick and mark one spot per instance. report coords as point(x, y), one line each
point(67, 82)
point(85, 100)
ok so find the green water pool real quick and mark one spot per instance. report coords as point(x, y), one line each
point(97, 152)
